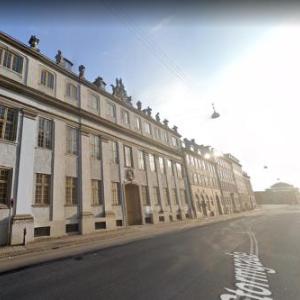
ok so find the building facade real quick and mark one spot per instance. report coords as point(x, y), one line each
point(203, 185)
point(75, 158)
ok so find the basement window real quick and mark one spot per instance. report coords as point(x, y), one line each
point(42, 231)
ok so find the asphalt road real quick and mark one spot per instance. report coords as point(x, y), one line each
point(191, 264)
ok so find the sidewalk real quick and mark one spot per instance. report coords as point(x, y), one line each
point(48, 249)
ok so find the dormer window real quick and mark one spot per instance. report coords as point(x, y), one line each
point(125, 117)
point(11, 60)
point(94, 103)
point(174, 141)
point(47, 79)
point(72, 91)
point(147, 128)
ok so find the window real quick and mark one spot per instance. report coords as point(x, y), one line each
point(161, 165)
point(8, 123)
point(166, 196)
point(169, 164)
point(96, 192)
point(4, 185)
point(152, 162)
point(115, 193)
point(156, 195)
point(94, 103)
point(115, 152)
point(72, 91)
point(71, 191)
point(95, 146)
point(141, 160)
point(174, 196)
point(147, 128)
point(179, 170)
point(128, 156)
point(195, 178)
point(182, 197)
point(145, 195)
point(165, 136)
point(125, 117)
point(110, 110)
point(42, 189)
point(157, 133)
point(174, 141)
point(47, 79)
point(72, 140)
point(45, 133)
point(138, 123)
point(11, 60)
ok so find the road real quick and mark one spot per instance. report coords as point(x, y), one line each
point(190, 264)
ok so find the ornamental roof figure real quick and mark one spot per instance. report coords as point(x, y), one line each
point(166, 122)
point(119, 90)
point(81, 71)
point(139, 105)
point(99, 83)
point(157, 117)
point(33, 42)
point(59, 57)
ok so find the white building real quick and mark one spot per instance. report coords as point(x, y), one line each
point(75, 158)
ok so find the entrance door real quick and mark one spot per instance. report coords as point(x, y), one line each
point(133, 205)
point(219, 205)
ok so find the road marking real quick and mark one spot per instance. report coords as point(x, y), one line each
point(250, 274)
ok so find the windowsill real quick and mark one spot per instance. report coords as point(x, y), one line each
point(96, 205)
point(70, 205)
point(3, 206)
point(44, 148)
point(8, 142)
point(46, 88)
point(70, 154)
point(40, 205)
point(12, 71)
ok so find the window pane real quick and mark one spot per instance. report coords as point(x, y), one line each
point(7, 59)
point(141, 160)
point(115, 153)
point(128, 156)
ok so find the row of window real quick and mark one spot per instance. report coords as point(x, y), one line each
point(200, 164)
point(14, 62)
point(205, 181)
point(43, 190)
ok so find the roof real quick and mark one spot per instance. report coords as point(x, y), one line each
point(281, 185)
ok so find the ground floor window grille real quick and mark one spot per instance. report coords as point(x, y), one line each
point(4, 185)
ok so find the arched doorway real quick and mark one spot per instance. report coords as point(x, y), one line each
point(133, 205)
point(219, 205)
point(203, 204)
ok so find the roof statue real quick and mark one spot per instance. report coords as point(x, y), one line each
point(139, 105)
point(81, 71)
point(119, 90)
point(99, 83)
point(157, 117)
point(33, 42)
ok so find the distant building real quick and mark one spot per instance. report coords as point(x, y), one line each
point(279, 193)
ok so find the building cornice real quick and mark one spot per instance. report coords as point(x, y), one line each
point(37, 95)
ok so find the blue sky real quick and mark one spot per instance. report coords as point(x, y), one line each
point(180, 66)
